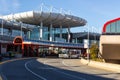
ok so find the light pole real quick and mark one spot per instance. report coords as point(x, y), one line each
point(21, 28)
point(2, 27)
point(88, 51)
point(95, 34)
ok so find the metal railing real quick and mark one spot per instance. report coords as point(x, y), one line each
point(58, 44)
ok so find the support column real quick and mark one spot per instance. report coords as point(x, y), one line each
point(75, 40)
point(22, 50)
point(25, 34)
point(68, 34)
point(60, 31)
point(21, 29)
point(50, 32)
point(28, 35)
point(10, 31)
point(2, 28)
point(37, 51)
point(41, 30)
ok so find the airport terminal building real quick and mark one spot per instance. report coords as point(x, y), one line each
point(27, 32)
point(110, 41)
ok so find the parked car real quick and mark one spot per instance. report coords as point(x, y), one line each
point(63, 55)
point(69, 55)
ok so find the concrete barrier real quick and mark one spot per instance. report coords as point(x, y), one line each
point(102, 65)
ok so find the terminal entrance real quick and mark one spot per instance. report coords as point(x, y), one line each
point(34, 49)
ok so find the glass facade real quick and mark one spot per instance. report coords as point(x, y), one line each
point(113, 27)
point(13, 33)
point(35, 33)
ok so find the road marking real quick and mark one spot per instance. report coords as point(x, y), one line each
point(33, 72)
point(65, 63)
point(3, 77)
point(46, 68)
point(45, 62)
point(70, 74)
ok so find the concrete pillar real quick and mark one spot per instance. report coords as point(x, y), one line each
point(60, 31)
point(50, 32)
point(41, 30)
point(28, 34)
point(68, 34)
point(75, 40)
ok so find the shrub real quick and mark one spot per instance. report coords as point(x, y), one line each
point(94, 51)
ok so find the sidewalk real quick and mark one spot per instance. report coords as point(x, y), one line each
point(102, 65)
point(95, 64)
point(72, 62)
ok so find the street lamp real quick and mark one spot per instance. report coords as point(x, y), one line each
point(88, 36)
point(88, 51)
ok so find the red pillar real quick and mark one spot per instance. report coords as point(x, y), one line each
point(22, 50)
point(37, 51)
point(27, 47)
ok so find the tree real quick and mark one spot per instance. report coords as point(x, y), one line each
point(94, 51)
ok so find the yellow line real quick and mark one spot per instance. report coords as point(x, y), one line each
point(16, 60)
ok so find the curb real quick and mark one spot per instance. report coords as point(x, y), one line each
point(102, 65)
point(10, 60)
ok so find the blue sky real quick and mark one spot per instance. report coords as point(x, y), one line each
point(96, 12)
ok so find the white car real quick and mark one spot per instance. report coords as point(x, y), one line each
point(69, 55)
point(74, 55)
point(63, 56)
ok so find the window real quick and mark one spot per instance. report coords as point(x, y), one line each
point(118, 26)
point(108, 28)
point(113, 27)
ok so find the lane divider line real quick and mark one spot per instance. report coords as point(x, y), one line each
point(70, 74)
point(32, 71)
point(58, 70)
point(3, 77)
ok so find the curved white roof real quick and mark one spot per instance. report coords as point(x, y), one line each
point(15, 25)
point(57, 19)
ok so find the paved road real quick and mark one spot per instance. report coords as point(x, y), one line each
point(53, 69)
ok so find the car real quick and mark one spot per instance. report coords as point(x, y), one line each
point(63, 55)
point(74, 55)
point(70, 55)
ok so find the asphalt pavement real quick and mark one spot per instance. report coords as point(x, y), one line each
point(52, 69)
